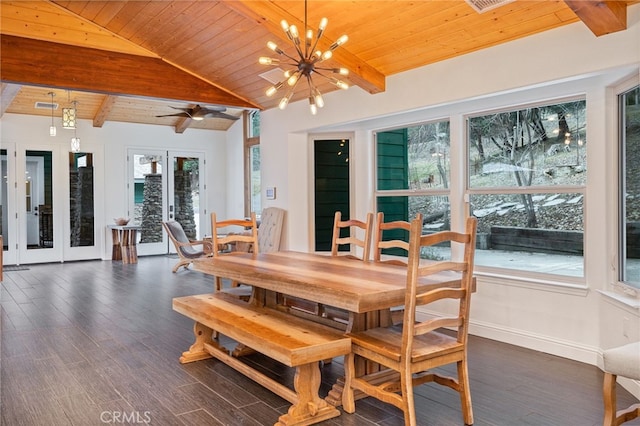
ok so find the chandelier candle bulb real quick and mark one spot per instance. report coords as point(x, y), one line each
point(312, 105)
point(319, 99)
point(291, 81)
point(263, 60)
point(273, 89)
point(322, 26)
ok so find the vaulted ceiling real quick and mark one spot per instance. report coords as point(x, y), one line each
point(133, 60)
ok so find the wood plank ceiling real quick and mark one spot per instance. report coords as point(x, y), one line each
point(132, 60)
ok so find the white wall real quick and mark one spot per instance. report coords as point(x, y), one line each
point(571, 321)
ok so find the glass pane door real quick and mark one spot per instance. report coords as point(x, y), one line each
point(38, 239)
point(4, 208)
point(147, 199)
point(186, 192)
point(81, 203)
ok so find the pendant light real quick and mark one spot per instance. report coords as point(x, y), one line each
point(75, 140)
point(69, 114)
point(52, 128)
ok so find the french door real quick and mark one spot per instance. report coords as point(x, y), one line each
point(38, 224)
point(48, 205)
point(166, 185)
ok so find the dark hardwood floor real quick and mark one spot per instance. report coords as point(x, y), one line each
point(91, 343)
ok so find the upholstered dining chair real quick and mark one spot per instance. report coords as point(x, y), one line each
point(621, 361)
point(231, 233)
point(410, 351)
point(270, 229)
point(187, 249)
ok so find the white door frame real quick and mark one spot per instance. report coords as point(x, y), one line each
point(40, 255)
point(166, 170)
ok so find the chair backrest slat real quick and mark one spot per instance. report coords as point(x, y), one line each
point(436, 323)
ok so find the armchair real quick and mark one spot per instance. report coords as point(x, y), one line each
point(187, 249)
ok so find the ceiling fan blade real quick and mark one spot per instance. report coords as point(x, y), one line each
point(215, 114)
point(187, 110)
point(199, 112)
point(179, 114)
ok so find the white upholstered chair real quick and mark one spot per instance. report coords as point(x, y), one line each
point(270, 229)
point(622, 361)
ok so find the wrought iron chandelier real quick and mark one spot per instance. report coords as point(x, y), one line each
point(307, 63)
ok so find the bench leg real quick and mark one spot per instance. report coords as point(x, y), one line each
point(197, 351)
point(310, 408)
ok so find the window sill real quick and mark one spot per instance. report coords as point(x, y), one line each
point(532, 283)
point(621, 299)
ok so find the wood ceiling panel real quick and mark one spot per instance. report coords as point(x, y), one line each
point(464, 34)
point(219, 42)
point(129, 11)
point(220, 24)
point(89, 9)
point(153, 33)
point(36, 18)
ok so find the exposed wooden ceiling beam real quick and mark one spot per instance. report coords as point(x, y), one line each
point(79, 68)
point(601, 17)
point(264, 13)
point(9, 92)
point(103, 112)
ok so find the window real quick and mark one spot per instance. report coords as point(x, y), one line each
point(252, 185)
point(526, 185)
point(629, 135)
point(413, 175)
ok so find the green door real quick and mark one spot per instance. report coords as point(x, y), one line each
point(331, 171)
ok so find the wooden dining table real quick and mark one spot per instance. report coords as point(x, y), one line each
point(366, 290)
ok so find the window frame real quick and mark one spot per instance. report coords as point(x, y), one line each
point(625, 288)
point(249, 142)
point(422, 192)
point(521, 275)
point(408, 192)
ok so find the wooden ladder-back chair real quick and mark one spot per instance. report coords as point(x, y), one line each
point(187, 249)
point(335, 316)
point(411, 350)
point(392, 231)
point(353, 225)
point(228, 235)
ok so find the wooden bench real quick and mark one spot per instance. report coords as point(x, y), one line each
point(293, 341)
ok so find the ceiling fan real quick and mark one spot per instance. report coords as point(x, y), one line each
point(200, 113)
